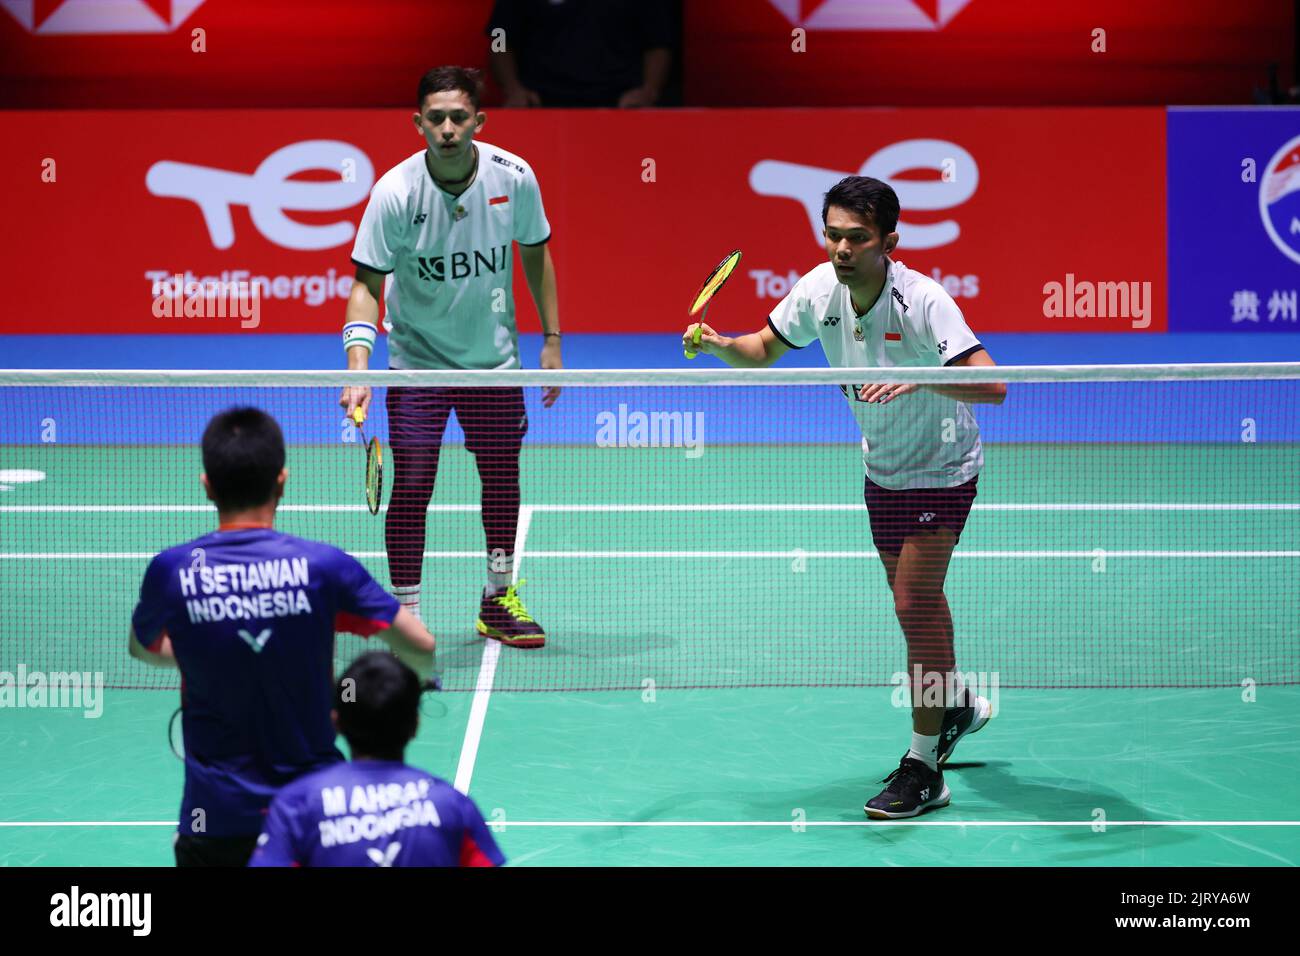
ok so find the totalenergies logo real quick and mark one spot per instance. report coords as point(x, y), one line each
point(956, 181)
point(270, 190)
point(69, 17)
point(873, 15)
point(1279, 199)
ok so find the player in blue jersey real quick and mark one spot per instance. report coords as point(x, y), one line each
point(375, 811)
point(248, 615)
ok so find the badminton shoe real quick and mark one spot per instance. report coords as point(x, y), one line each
point(959, 722)
point(503, 617)
point(911, 790)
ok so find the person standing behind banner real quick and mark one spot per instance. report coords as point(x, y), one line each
point(583, 53)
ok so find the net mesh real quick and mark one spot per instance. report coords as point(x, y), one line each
point(1132, 528)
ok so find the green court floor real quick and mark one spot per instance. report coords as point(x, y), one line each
point(716, 685)
point(726, 777)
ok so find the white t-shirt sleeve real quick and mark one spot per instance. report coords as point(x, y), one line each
point(531, 227)
point(792, 320)
point(382, 231)
point(949, 334)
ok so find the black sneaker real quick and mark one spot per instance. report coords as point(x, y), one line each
point(961, 721)
point(503, 617)
point(913, 789)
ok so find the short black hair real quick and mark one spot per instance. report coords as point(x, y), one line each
point(444, 79)
point(378, 705)
point(867, 197)
point(243, 454)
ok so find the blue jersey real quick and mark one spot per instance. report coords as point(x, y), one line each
point(251, 614)
point(374, 813)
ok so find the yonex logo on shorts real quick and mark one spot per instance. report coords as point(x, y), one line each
point(927, 516)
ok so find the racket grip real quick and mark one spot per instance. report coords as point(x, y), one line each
point(694, 350)
point(433, 683)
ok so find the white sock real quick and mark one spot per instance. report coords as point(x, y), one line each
point(499, 579)
point(926, 750)
point(409, 598)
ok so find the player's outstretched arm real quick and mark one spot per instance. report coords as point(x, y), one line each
point(411, 641)
point(165, 656)
point(756, 350)
point(363, 306)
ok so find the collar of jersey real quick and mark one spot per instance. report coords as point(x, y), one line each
point(244, 526)
point(884, 296)
point(478, 156)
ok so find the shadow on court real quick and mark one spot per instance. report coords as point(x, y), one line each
point(982, 791)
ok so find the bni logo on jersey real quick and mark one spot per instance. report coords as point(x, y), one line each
point(1279, 199)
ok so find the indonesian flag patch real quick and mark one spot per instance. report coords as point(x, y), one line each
point(498, 200)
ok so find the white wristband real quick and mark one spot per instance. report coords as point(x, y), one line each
point(359, 333)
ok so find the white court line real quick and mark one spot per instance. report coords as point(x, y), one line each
point(783, 824)
point(702, 506)
point(477, 714)
point(487, 672)
point(704, 555)
point(788, 824)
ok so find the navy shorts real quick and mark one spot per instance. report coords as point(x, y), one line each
point(897, 515)
point(493, 419)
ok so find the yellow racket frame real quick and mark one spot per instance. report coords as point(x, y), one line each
point(717, 278)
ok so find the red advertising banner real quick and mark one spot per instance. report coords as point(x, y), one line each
point(110, 54)
point(1034, 220)
point(813, 53)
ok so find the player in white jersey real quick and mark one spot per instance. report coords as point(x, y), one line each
point(920, 446)
point(436, 238)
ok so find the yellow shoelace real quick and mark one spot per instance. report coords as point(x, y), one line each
point(510, 601)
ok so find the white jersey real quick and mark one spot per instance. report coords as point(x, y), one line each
point(921, 439)
point(449, 262)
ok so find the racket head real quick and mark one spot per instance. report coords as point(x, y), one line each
point(717, 278)
point(430, 692)
point(176, 735)
point(374, 474)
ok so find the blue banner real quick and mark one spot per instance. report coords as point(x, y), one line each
point(1234, 220)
